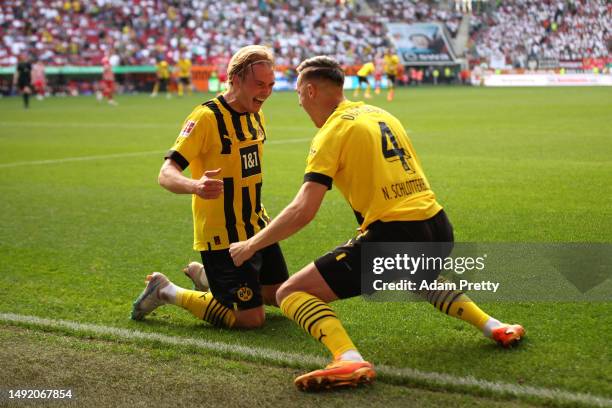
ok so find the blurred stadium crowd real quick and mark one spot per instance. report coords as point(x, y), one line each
point(564, 30)
point(140, 32)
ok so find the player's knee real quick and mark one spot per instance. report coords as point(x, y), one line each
point(250, 319)
point(250, 324)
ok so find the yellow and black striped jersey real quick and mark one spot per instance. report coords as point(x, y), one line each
point(216, 136)
point(391, 64)
point(184, 68)
point(366, 152)
point(163, 70)
point(366, 69)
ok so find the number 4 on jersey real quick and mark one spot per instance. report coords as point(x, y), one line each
point(390, 147)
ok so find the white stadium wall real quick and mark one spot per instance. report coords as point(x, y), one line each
point(547, 80)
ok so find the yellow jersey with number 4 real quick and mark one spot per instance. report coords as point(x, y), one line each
point(366, 152)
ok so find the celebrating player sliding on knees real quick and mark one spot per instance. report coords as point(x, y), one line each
point(357, 146)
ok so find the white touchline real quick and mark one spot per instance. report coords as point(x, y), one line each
point(120, 155)
point(440, 379)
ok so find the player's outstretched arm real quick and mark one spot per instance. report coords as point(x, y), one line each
point(172, 179)
point(293, 218)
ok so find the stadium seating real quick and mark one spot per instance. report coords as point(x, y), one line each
point(64, 32)
point(558, 29)
point(417, 11)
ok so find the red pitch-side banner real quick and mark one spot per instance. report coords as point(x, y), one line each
point(590, 63)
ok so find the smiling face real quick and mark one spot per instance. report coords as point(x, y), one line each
point(254, 87)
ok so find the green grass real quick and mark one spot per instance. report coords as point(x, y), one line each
point(508, 165)
point(145, 377)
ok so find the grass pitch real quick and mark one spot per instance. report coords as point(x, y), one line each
point(82, 221)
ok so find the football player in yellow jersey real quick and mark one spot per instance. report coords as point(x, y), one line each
point(362, 149)
point(362, 75)
point(391, 67)
point(163, 77)
point(184, 73)
point(222, 143)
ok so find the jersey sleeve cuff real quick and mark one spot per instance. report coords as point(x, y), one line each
point(319, 178)
point(177, 158)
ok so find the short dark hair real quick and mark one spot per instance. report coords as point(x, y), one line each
point(322, 67)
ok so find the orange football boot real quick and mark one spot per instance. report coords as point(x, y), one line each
point(508, 335)
point(339, 373)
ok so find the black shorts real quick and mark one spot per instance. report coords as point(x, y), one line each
point(363, 80)
point(239, 288)
point(185, 80)
point(341, 268)
point(163, 84)
point(391, 79)
point(22, 85)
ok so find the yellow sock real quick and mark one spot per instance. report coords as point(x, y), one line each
point(204, 306)
point(180, 89)
point(457, 304)
point(319, 320)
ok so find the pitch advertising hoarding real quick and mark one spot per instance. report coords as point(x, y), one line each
point(422, 43)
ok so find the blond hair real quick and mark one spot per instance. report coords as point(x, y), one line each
point(246, 57)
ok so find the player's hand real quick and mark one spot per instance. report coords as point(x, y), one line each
point(241, 252)
point(208, 187)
